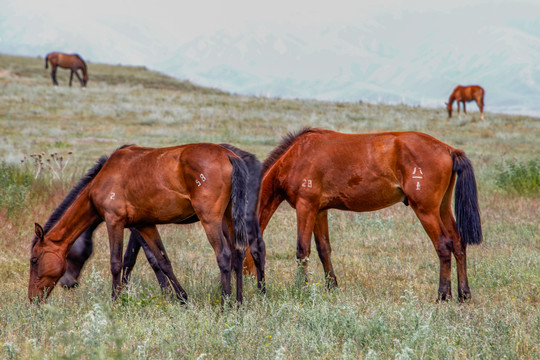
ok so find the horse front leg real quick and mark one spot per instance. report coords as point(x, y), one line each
point(464, 108)
point(78, 77)
point(136, 241)
point(151, 236)
point(305, 218)
point(322, 241)
point(116, 238)
point(71, 77)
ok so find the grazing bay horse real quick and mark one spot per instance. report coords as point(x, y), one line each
point(463, 94)
point(83, 246)
point(315, 170)
point(74, 62)
point(139, 188)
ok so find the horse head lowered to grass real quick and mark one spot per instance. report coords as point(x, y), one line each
point(73, 62)
point(463, 94)
point(139, 188)
point(315, 170)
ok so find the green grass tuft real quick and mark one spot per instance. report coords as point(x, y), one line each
point(521, 177)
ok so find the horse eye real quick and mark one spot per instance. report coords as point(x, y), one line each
point(34, 261)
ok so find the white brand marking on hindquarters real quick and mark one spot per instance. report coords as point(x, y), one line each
point(203, 178)
point(112, 196)
point(417, 174)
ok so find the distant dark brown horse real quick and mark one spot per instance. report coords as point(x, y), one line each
point(139, 188)
point(74, 62)
point(315, 170)
point(83, 246)
point(463, 94)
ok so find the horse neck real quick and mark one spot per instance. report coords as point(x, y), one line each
point(270, 196)
point(83, 67)
point(77, 218)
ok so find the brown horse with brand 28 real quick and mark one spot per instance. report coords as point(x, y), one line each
point(139, 188)
point(74, 62)
point(463, 94)
point(315, 170)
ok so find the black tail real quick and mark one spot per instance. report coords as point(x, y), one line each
point(47, 61)
point(466, 201)
point(239, 202)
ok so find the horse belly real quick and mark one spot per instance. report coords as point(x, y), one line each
point(369, 196)
point(162, 210)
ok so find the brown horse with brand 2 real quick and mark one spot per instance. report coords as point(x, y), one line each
point(315, 170)
point(139, 188)
point(74, 62)
point(83, 247)
point(463, 94)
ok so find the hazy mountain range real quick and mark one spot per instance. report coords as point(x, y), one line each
point(410, 58)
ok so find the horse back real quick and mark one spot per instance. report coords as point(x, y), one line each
point(162, 185)
point(335, 170)
point(468, 93)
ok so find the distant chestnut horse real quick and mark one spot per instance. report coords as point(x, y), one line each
point(463, 94)
point(315, 170)
point(139, 188)
point(83, 246)
point(74, 62)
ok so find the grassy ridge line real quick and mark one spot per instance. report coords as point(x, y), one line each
point(26, 67)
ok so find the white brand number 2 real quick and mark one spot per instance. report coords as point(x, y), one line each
point(307, 183)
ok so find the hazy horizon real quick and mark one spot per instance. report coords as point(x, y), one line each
point(377, 51)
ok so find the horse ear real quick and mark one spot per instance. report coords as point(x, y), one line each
point(39, 231)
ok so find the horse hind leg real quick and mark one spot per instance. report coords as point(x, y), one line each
point(220, 244)
point(322, 241)
point(53, 75)
point(237, 257)
point(434, 227)
point(71, 77)
point(459, 249)
point(257, 251)
point(480, 103)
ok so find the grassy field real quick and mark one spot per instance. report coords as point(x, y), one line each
point(385, 263)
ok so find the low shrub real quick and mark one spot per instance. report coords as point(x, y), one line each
point(522, 178)
point(15, 183)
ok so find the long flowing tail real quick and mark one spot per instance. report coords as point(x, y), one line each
point(239, 202)
point(466, 200)
point(47, 61)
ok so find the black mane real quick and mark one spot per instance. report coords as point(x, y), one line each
point(72, 195)
point(284, 145)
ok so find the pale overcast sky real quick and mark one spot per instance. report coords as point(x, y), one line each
point(410, 50)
